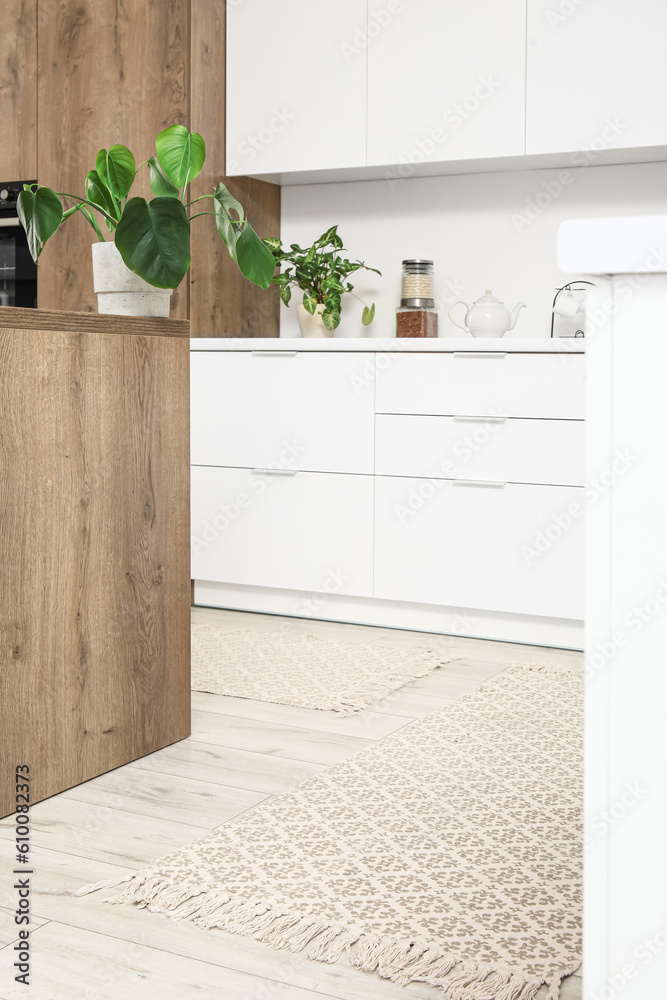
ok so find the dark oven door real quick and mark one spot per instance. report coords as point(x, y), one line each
point(18, 273)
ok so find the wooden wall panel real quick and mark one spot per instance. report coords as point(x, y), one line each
point(222, 302)
point(108, 72)
point(18, 90)
point(94, 552)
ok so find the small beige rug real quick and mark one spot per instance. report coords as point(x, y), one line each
point(449, 853)
point(289, 668)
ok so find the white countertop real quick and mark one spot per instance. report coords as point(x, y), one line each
point(394, 345)
point(628, 244)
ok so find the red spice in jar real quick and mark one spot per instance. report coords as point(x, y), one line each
point(416, 322)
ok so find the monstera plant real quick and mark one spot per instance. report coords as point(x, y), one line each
point(152, 237)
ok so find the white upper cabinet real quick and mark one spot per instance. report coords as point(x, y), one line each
point(296, 85)
point(446, 80)
point(596, 76)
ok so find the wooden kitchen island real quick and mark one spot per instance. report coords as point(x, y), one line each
point(94, 544)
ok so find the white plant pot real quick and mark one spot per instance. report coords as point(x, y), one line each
point(121, 291)
point(312, 326)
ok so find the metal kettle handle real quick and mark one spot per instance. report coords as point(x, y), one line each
point(454, 321)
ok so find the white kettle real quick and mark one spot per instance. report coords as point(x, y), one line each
point(487, 316)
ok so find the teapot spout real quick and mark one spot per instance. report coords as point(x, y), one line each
point(514, 315)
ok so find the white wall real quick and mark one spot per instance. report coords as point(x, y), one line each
point(494, 231)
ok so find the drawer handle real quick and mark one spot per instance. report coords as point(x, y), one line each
point(482, 420)
point(274, 354)
point(478, 482)
point(275, 472)
point(479, 354)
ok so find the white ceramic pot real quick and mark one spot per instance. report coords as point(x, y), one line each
point(312, 326)
point(121, 291)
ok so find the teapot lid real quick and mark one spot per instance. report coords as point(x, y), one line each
point(488, 297)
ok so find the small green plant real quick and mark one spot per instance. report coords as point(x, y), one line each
point(321, 274)
point(153, 237)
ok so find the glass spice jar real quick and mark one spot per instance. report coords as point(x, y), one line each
point(417, 316)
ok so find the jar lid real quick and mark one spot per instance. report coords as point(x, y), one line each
point(421, 303)
point(417, 260)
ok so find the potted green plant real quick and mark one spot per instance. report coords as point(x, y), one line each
point(149, 255)
point(321, 274)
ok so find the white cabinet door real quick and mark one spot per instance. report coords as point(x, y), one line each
point(596, 75)
point(510, 450)
point(446, 80)
point(296, 85)
point(284, 410)
point(514, 549)
point(305, 531)
point(478, 383)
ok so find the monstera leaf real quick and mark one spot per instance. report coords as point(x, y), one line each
point(116, 169)
point(40, 213)
point(181, 154)
point(154, 240)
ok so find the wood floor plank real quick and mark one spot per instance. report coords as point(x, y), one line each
point(83, 829)
point(367, 724)
point(166, 796)
point(274, 739)
point(444, 686)
point(229, 766)
point(64, 962)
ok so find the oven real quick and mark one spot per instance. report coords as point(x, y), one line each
point(18, 273)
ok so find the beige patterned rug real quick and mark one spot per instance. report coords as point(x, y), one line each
point(448, 853)
point(289, 668)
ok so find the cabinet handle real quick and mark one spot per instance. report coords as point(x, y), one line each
point(482, 420)
point(478, 482)
point(11, 221)
point(275, 472)
point(274, 354)
point(479, 354)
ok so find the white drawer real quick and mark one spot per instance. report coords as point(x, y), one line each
point(515, 549)
point(282, 409)
point(299, 531)
point(481, 383)
point(505, 449)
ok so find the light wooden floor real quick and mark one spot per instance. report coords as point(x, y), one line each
point(240, 753)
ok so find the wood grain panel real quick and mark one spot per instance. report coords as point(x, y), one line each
point(18, 90)
point(16, 318)
point(108, 72)
point(222, 302)
point(94, 553)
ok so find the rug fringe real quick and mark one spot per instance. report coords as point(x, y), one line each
point(403, 961)
point(551, 668)
point(355, 700)
point(109, 883)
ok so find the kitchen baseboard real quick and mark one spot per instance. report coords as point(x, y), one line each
point(470, 623)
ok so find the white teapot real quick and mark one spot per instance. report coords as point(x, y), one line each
point(487, 316)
